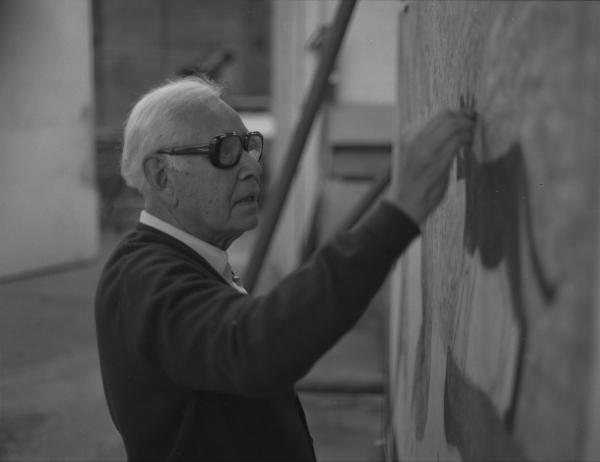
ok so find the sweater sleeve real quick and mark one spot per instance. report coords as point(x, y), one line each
point(205, 335)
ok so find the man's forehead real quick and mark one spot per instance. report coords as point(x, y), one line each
point(216, 116)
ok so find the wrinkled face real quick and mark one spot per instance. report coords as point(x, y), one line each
point(216, 205)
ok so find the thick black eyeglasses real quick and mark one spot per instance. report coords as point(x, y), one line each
point(225, 150)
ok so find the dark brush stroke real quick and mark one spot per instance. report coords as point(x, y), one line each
point(420, 389)
point(496, 199)
point(472, 422)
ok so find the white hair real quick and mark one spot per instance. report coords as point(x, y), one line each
point(164, 117)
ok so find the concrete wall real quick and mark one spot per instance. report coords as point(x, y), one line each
point(48, 198)
point(494, 327)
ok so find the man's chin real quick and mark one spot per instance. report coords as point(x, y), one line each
point(253, 224)
point(248, 224)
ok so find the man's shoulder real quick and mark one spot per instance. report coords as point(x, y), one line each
point(146, 250)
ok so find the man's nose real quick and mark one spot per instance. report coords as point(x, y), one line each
point(249, 167)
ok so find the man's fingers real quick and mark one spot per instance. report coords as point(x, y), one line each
point(441, 164)
point(454, 127)
point(449, 120)
point(454, 143)
point(433, 140)
point(430, 127)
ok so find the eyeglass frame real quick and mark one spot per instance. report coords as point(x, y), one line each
point(212, 148)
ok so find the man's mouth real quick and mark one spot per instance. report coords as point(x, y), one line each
point(248, 199)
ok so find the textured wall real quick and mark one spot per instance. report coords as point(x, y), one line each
point(494, 349)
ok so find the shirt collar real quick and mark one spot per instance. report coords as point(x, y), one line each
point(217, 258)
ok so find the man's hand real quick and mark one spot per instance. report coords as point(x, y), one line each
point(422, 160)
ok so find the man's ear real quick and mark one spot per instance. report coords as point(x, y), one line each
point(157, 175)
point(155, 171)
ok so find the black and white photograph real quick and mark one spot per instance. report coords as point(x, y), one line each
point(299, 230)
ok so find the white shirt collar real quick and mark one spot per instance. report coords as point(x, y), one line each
point(217, 258)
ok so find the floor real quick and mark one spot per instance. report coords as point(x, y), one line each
point(51, 400)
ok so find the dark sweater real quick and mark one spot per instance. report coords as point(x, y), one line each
point(194, 370)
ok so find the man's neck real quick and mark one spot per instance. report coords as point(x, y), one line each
point(169, 216)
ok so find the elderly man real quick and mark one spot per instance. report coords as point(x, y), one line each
point(193, 367)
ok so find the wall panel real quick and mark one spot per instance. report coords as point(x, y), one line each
point(499, 360)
